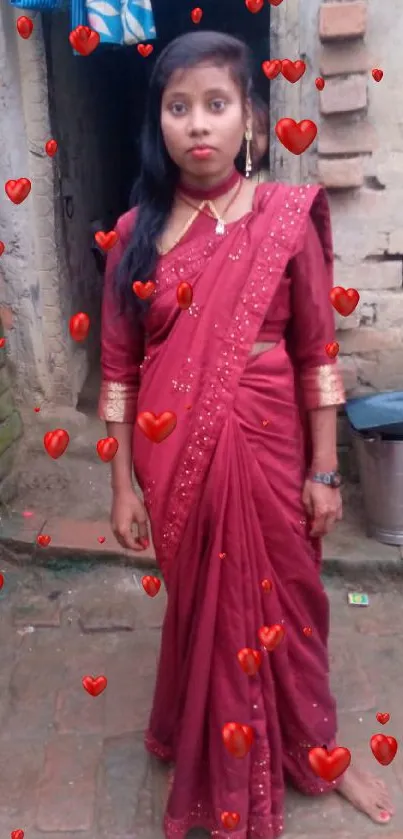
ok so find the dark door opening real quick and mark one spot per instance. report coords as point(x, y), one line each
point(96, 109)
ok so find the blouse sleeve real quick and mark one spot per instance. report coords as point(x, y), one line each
point(122, 349)
point(312, 324)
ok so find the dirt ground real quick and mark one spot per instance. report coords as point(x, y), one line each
point(73, 766)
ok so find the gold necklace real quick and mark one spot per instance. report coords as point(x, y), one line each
point(220, 226)
point(193, 217)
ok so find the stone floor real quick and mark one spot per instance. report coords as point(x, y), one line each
point(73, 766)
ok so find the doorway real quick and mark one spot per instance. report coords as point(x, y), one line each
point(96, 108)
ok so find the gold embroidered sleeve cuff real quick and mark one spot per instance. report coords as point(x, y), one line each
point(322, 387)
point(117, 402)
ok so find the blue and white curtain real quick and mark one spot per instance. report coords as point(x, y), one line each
point(121, 21)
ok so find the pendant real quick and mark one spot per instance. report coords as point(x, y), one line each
point(220, 228)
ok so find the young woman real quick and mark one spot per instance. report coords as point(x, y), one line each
point(241, 490)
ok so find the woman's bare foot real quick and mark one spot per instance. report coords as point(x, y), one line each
point(367, 794)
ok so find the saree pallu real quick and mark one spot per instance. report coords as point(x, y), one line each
point(223, 494)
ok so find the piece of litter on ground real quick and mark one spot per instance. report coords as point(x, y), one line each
point(356, 598)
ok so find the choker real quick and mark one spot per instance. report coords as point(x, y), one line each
point(210, 193)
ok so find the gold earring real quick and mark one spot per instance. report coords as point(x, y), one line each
point(248, 162)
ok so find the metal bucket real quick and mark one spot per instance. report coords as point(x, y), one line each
point(380, 465)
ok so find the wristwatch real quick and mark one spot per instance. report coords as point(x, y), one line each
point(330, 479)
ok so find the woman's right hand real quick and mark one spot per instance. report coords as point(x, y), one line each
point(128, 510)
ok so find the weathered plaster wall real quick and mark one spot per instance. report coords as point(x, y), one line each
point(360, 144)
point(39, 347)
point(10, 431)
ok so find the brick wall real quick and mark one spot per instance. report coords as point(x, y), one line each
point(360, 161)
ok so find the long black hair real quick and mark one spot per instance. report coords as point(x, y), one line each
point(154, 190)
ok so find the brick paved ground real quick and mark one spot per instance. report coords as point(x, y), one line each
point(74, 767)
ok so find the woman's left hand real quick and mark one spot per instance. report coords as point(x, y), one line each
point(323, 505)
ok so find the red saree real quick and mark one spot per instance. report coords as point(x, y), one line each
point(223, 494)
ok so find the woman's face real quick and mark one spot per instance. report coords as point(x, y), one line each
point(203, 122)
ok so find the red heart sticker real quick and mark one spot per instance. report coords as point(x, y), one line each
point(250, 660)
point(319, 83)
point(307, 630)
point(101, 539)
point(107, 241)
point(271, 69)
point(37, 410)
point(2, 343)
point(275, 2)
point(143, 290)
point(344, 300)
point(254, 6)
point(25, 26)
point(107, 448)
point(377, 74)
point(383, 748)
point(184, 295)
point(145, 49)
point(51, 148)
point(329, 765)
point(157, 427)
point(84, 40)
point(332, 349)
point(2, 248)
point(383, 718)
point(1, 581)
point(229, 820)
point(271, 636)
point(17, 834)
point(43, 540)
point(196, 14)
point(267, 586)
point(79, 326)
point(56, 442)
point(222, 556)
point(293, 70)
point(296, 137)
point(95, 685)
point(19, 190)
point(151, 585)
point(237, 738)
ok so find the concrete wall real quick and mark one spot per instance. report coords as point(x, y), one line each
point(10, 430)
point(360, 161)
point(39, 348)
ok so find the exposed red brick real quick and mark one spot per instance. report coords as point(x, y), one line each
point(21, 529)
point(366, 339)
point(337, 137)
point(342, 20)
point(74, 535)
point(346, 173)
point(344, 95)
point(338, 59)
point(369, 275)
point(66, 793)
